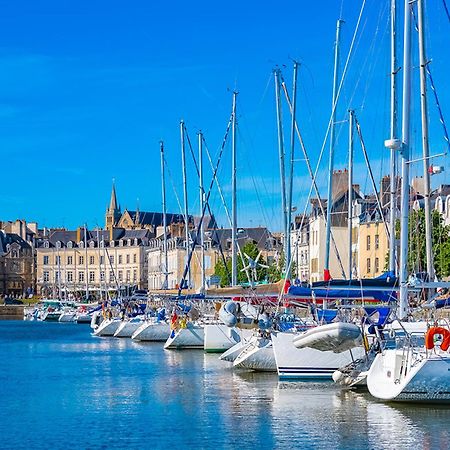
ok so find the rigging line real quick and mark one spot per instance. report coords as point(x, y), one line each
point(369, 168)
point(433, 87)
point(194, 243)
point(308, 165)
point(227, 212)
point(446, 10)
point(344, 73)
point(222, 255)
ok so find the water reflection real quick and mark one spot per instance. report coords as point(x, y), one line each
point(133, 395)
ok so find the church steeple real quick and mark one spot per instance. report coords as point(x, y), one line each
point(113, 212)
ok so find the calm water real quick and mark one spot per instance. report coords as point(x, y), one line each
point(60, 387)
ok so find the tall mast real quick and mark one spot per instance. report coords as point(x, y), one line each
point(202, 203)
point(350, 193)
point(393, 138)
point(281, 157)
point(326, 269)
point(86, 262)
point(291, 166)
point(163, 181)
point(185, 195)
point(425, 142)
point(99, 266)
point(59, 274)
point(404, 154)
point(234, 196)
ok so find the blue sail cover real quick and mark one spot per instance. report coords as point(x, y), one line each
point(343, 293)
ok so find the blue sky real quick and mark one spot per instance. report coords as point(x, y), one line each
point(88, 89)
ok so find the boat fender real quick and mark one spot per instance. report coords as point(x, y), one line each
point(433, 331)
point(337, 376)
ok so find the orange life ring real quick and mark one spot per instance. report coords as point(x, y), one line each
point(429, 338)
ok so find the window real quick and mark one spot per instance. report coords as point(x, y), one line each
point(91, 260)
point(92, 244)
point(120, 259)
point(102, 260)
point(368, 265)
point(46, 244)
point(111, 276)
point(58, 260)
point(377, 241)
point(128, 275)
point(128, 259)
point(134, 275)
point(45, 262)
point(69, 260)
point(91, 275)
point(368, 243)
point(80, 277)
point(46, 276)
point(69, 244)
point(111, 259)
point(102, 276)
point(81, 244)
point(120, 275)
point(69, 276)
point(56, 277)
point(134, 258)
point(377, 265)
point(81, 260)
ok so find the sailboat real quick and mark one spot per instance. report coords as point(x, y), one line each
point(412, 366)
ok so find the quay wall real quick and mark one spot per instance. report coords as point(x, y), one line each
point(11, 312)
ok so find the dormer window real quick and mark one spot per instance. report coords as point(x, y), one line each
point(70, 244)
point(129, 242)
point(102, 243)
point(112, 244)
point(121, 243)
point(81, 244)
point(46, 244)
point(91, 244)
point(58, 244)
point(135, 241)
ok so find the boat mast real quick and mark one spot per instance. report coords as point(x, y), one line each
point(404, 155)
point(86, 262)
point(350, 193)
point(234, 196)
point(425, 142)
point(202, 205)
point(99, 266)
point(393, 138)
point(163, 181)
point(282, 166)
point(291, 168)
point(185, 195)
point(326, 269)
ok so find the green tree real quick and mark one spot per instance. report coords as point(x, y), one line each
point(417, 243)
point(224, 272)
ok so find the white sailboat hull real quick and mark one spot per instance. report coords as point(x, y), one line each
point(67, 317)
point(127, 328)
point(233, 352)
point(391, 378)
point(257, 355)
point(308, 363)
point(219, 337)
point(108, 327)
point(193, 336)
point(152, 331)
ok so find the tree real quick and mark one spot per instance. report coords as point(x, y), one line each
point(250, 249)
point(417, 243)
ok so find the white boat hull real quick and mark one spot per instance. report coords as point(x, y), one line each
point(392, 378)
point(127, 328)
point(233, 352)
point(308, 363)
point(257, 355)
point(193, 336)
point(67, 317)
point(108, 327)
point(219, 337)
point(152, 331)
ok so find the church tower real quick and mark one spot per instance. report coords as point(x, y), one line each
point(113, 212)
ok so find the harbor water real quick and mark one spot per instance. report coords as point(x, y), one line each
point(60, 387)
